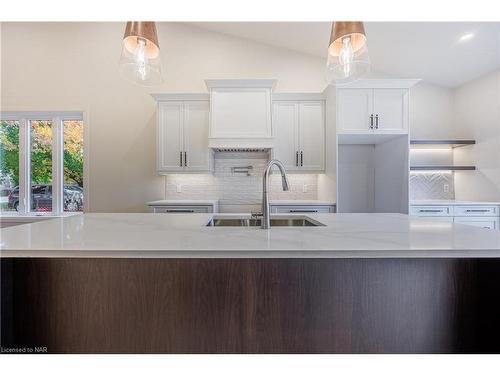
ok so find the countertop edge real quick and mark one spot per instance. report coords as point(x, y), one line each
point(249, 254)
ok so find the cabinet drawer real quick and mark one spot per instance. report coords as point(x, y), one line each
point(483, 222)
point(431, 210)
point(181, 209)
point(476, 210)
point(302, 209)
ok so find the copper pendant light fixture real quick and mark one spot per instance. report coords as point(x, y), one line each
point(140, 59)
point(348, 58)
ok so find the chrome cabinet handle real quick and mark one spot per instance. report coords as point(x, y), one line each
point(185, 159)
point(311, 211)
point(296, 158)
point(430, 211)
point(180, 159)
point(376, 121)
point(477, 210)
point(180, 210)
point(371, 121)
point(301, 158)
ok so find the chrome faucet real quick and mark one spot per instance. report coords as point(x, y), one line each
point(266, 220)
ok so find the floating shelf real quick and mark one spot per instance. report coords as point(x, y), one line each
point(443, 168)
point(422, 143)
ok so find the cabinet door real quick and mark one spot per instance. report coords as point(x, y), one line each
point(390, 107)
point(196, 151)
point(312, 136)
point(285, 124)
point(170, 137)
point(240, 113)
point(482, 222)
point(353, 110)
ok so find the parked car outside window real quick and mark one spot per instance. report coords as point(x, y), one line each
point(41, 198)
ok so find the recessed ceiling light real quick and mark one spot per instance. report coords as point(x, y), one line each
point(466, 37)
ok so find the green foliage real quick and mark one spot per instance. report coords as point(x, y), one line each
point(9, 150)
point(41, 154)
point(73, 168)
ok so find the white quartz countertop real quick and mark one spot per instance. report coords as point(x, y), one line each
point(15, 217)
point(183, 202)
point(446, 202)
point(138, 235)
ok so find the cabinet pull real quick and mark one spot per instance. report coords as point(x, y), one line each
point(296, 158)
point(180, 158)
point(430, 211)
point(477, 210)
point(371, 121)
point(179, 211)
point(311, 211)
point(376, 121)
point(185, 159)
point(301, 159)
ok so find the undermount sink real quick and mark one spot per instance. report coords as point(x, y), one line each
point(295, 221)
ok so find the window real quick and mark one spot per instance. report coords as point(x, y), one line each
point(9, 163)
point(41, 160)
point(73, 165)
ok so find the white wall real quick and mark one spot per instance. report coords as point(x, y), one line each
point(477, 116)
point(74, 66)
point(431, 112)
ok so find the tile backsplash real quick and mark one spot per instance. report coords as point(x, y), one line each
point(432, 185)
point(236, 191)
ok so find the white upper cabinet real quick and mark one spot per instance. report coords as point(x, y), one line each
point(197, 154)
point(374, 106)
point(182, 135)
point(169, 136)
point(240, 113)
point(390, 107)
point(355, 107)
point(286, 145)
point(300, 134)
point(312, 136)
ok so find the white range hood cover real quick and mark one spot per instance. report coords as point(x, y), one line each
point(240, 113)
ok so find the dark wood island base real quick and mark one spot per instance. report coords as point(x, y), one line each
point(105, 305)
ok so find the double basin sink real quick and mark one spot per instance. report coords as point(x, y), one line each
point(276, 221)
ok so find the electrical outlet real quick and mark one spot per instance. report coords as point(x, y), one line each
point(179, 188)
point(446, 188)
point(304, 188)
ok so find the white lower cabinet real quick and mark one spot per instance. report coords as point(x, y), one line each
point(297, 209)
point(174, 209)
point(483, 222)
point(483, 216)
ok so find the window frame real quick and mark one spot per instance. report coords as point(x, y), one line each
point(57, 119)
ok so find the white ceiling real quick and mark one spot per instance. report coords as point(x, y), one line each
point(427, 50)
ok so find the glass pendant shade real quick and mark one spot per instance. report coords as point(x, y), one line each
point(348, 58)
point(140, 59)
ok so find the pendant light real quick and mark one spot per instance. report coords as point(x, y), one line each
point(140, 59)
point(348, 58)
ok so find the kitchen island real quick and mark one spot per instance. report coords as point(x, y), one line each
point(152, 283)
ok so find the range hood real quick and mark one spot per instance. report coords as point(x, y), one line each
point(240, 113)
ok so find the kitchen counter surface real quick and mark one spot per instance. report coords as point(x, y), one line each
point(446, 202)
point(135, 235)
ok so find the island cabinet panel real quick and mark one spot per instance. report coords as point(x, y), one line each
point(99, 305)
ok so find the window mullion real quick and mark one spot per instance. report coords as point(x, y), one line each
point(57, 166)
point(24, 167)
